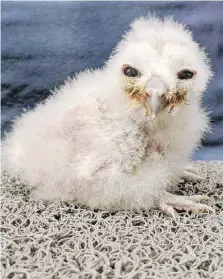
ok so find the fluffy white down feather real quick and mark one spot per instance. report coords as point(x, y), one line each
point(85, 143)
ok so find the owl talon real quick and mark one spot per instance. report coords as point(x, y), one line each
point(190, 174)
point(197, 198)
point(185, 203)
point(168, 210)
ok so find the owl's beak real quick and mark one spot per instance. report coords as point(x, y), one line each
point(155, 89)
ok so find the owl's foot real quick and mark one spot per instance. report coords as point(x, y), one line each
point(190, 174)
point(169, 202)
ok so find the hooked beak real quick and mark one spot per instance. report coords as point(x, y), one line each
point(155, 89)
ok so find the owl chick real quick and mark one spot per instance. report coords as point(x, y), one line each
point(119, 137)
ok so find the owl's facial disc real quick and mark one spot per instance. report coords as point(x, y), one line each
point(155, 94)
point(149, 94)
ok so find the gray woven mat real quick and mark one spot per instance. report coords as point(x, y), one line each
point(61, 240)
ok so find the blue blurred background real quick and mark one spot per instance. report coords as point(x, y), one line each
point(44, 42)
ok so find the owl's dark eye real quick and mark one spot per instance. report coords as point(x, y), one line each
point(130, 71)
point(185, 74)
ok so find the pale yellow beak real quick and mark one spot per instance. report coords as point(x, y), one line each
point(155, 89)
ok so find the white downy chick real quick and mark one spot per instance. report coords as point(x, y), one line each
point(119, 137)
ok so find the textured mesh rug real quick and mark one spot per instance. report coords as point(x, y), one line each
point(61, 240)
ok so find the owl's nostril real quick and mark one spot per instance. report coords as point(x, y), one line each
point(148, 94)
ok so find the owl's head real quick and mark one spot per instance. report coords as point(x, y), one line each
point(159, 65)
